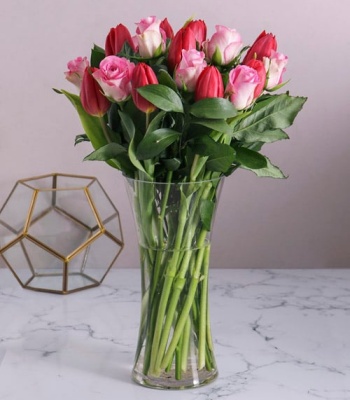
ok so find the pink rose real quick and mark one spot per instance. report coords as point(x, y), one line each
point(150, 38)
point(189, 68)
point(275, 67)
point(76, 70)
point(114, 77)
point(241, 86)
point(223, 46)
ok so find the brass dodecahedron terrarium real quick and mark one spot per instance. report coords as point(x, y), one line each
point(59, 233)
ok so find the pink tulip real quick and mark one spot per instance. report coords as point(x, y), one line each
point(142, 75)
point(92, 100)
point(276, 66)
point(209, 84)
point(188, 70)
point(184, 39)
point(76, 70)
point(223, 46)
point(114, 77)
point(240, 89)
point(116, 38)
point(150, 38)
point(262, 47)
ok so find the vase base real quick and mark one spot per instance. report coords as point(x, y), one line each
point(167, 380)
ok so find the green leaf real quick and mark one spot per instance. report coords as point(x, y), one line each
point(127, 125)
point(220, 155)
point(270, 171)
point(250, 158)
point(80, 139)
point(156, 121)
point(171, 164)
point(155, 142)
point(91, 125)
point(213, 108)
point(206, 211)
point(97, 55)
point(218, 125)
point(275, 112)
point(133, 158)
point(107, 152)
point(267, 136)
point(162, 97)
point(165, 79)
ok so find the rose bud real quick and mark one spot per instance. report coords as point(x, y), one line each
point(262, 47)
point(116, 38)
point(142, 75)
point(276, 66)
point(149, 37)
point(209, 84)
point(183, 40)
point(189, 68)
point(199, 29)
point(92, 99)
point(167, 29)
point(224, 45)
point(114, 77)
point(240, 89)
point(76, 70)
point(260, 69)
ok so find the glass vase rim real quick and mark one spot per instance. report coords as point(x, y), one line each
point(216, 179)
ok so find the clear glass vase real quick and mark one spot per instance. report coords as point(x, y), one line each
point(174, 222)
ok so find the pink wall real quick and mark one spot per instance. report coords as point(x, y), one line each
point(302, 222)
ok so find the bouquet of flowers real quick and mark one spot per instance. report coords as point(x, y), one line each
point(179, 110)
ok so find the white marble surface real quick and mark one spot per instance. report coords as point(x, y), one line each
point(279, 335)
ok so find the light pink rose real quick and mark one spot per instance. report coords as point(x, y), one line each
point(275, 67)
point(150, 38)
point(191, 65)
point(223, 46)
point(114, 77)
point(241, 86)
point(76, 70)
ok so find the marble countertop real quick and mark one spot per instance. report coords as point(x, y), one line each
point(279, 335)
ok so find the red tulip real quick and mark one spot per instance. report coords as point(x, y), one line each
point(142, 75)
point(260, 69)
point(183, 40)
point(199, 29)
point(116, 38)
point(262, 47)
point(92, 99)
point(168, 30)
point(209, 84)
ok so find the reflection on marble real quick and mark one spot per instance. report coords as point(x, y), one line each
point(279, 335)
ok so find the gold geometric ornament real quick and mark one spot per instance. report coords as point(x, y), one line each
point(59, 233)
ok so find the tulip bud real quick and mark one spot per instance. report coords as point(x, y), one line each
point(183, 40)
point(262, 47)
point(260, 69)
point(92, 99)
point(167, 29)
point(116, 38)
point(199, 29)
point(142, 75)
point(209, 84)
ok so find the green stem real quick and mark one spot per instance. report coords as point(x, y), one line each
point(171, 271)
point(186, 344)
point(203, 308)
point(188, 302)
